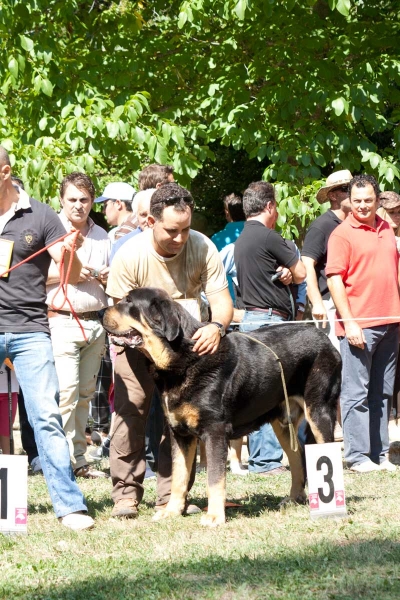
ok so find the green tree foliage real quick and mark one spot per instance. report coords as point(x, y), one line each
point(303, 87)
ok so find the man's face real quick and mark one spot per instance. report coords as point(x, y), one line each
point(111, 212)
point(393, 217)
point(340, 195)
point(76, 204)
point(364, 203)
point(143, 211)
point(172, 232)
point(5, 174)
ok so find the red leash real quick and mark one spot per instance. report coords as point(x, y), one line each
point(64, 278)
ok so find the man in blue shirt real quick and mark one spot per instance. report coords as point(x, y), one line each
point(235, 216)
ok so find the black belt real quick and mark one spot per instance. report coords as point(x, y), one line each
point(91, 315)
point(270, 311)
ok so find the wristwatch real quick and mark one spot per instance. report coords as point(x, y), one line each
point(221, 328)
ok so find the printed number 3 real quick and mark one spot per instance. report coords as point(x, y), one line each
point(3, 493)
point(326, 498)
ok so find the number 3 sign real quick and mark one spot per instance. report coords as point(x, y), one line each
point(325, 480)
point(13, 493)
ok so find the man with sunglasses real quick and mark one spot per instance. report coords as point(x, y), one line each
point(314, 252)
point(183, 262)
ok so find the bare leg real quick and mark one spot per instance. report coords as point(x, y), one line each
point(183, 455)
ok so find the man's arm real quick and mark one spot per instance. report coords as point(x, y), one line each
point(353, 331)
point(313, 293)
point(56, 253)
point(208, 337)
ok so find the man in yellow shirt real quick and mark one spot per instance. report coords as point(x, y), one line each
point(168, 255)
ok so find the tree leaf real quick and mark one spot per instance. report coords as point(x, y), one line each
point(43, 123)
point(343, 6)
point(26, 43)
point(338, 106)
point(240, 9)
point(112, 129)
point(46, 87)
point(161, 154)
point(13, 67)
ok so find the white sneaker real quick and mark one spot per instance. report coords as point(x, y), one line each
point(365, 467)
point(387, 466)
point(238, 469)
point(338, 433)
point(77, 521)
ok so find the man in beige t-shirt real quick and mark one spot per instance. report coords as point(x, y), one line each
point(184, 263)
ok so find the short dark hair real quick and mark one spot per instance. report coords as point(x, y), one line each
point(362, 181)
point(154, 174)
point(234, 205)
point(4, 157)
point(79, 180)
point(128, 205)
point(256, 198)
point(170, 194)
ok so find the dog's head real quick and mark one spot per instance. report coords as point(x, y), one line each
point(148, 319)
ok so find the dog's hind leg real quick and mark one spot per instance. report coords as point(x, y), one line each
point(321, 395)
point(183, 455)
point(297, 493)
point(217, 451)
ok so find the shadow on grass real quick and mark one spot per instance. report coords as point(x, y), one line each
point(365, 569)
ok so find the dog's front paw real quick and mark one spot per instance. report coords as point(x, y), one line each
point(212, 519)
point(300, 498)
point(167, 513)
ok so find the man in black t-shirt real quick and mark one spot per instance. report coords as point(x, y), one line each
point(27, 226)
point(260, 253)
point(314, 252)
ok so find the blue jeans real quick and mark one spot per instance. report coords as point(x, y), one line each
point(265, 452)
point(32, 357)
point(367, 388)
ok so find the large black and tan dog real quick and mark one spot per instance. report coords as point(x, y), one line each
point(230, 393)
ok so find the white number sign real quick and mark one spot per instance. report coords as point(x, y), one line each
point(13, 493)
point(325, 480)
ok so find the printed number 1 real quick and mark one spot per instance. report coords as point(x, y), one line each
point(326, 498)
point(3, 493)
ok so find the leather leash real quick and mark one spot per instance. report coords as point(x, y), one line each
point(294, 446)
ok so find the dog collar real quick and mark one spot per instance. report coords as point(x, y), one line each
point(221, 328)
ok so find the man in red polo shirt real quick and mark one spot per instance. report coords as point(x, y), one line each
point(362, 271)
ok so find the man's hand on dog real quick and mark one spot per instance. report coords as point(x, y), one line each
point(207, 339)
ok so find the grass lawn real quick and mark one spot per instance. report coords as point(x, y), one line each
point(262, 551)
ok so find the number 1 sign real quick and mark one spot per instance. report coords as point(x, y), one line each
point(325, 480)
point(13, 493)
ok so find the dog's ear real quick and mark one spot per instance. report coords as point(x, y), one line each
point(165, 317)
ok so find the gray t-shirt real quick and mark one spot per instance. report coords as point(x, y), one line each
point(23, 306)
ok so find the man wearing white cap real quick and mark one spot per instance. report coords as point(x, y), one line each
point(117, 206)
point(314, 252)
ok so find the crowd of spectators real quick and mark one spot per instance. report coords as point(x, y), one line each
point(247, 276)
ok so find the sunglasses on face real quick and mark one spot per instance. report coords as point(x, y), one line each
point(341, 188)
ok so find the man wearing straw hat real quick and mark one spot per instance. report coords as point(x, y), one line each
point(314, 252)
